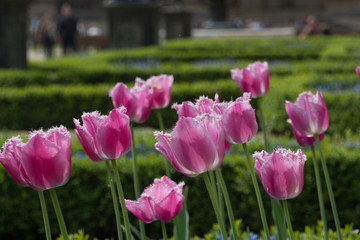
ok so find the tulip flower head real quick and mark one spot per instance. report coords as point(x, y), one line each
point(161, 86)
point(238, 120)
point(358, 71)
point(104, 137)
point(302, 139)
point(202, 105)
point(162, 200)
point(309, 114)
point(43, 162)
point(281, 172)
point(195, 145)
point(254, 78)
point(138, 100)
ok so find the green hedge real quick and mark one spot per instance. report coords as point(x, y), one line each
point(86, 199)
point(35, 107)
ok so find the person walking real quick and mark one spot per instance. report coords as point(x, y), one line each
point(68, 29)
point(47, 33)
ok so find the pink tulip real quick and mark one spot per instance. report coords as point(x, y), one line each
point(202, 105)
point(104, 137)
point(308, 114)
point(254, 78)
point(138, 100)
point(122, 96)
point(303, 140)
point(43, 162)
point(239, 120)
point(10, 158)
point(144, 96)
point(281, 172)
point(161, 86)
point(196, 145)
point(162, 200)
point(358, 71)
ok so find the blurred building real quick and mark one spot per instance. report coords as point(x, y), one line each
point(341, 15)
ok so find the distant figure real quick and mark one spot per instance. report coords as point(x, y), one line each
point(309, 29)
point(47, 33)
point(68, 29)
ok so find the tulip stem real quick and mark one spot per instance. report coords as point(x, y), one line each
point(163, 227)
point(115, 201)
point(320, 194)
point(263, 126)
point(59, 214)
point(136, 177)
point(45, 215)
point(278, 212)
point(329, 188)
point(162, 128)
point(257, 192)
point(215, 205)
point(122, 200)
point(225, 192)
point(219, 198)
point(288, 221)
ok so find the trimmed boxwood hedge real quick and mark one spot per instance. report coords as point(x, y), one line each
point(35, 107)
point(86, 199)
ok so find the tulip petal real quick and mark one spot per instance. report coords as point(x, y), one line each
point(87, 141)
point(10, 158)
point(193, 146)
point(169, 207)
point(142, 209)
point(43, 164)
point(114, 135)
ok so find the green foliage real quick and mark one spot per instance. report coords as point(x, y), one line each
point(86, 200)
point(309, 233)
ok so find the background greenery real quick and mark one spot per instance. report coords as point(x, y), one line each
point(56, 91)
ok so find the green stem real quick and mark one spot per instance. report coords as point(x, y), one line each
point(257, 192)
point(263, 126)
point(122, 200)
point(213, 185)
point(278, 212)
point(136, 178)
point(227, 202)
point(320, 194)
point(45, 215)
point(215, 204)
point(162, 128)
point(218, 195)
point(59, 214)
point(115, 201)
point(163, 227)
point(329, 188)
point(288, 221)
point(221, 201)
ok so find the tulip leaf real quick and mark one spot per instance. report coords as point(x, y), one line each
point(279, 219)
point(181, 224)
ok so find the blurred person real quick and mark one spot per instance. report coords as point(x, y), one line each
point(309, 29)
point(47, 33)
point(68, 29)
point(34, 28)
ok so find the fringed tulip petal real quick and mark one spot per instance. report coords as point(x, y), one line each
point(107, 137)
point(254, 78)
point(308, 114)
point(10, 158)
point(281, 172)
point(162, 201)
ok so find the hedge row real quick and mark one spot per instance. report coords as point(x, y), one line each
point(35, 107)
point(91, 72)
point(86, 199)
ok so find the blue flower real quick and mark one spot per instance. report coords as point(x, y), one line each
point(254, 236)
